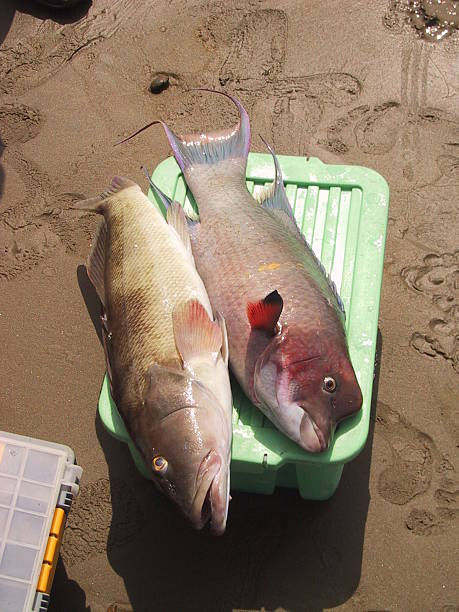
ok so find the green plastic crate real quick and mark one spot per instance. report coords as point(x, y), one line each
point(342, 211)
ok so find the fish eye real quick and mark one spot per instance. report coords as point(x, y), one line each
point(159, 464)
point(329, 384)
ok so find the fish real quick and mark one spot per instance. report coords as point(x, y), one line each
point(285, 320)
point(166, 355)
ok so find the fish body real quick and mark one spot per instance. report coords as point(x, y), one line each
point(285, 320)
point(166, 357)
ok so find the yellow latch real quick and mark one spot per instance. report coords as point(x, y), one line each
point(51, 555)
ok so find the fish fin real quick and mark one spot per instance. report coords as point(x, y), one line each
point(160, 195)
point(273, 197)
point(106, 337)
point(96, 261)
point(177, 219)
point(265, 313)
point(336, 294)
point(194, 332)
point(328, 278)
point(167, 202)
point(208, 149)
point(97, 204)
point(225, 350)
point(287, 222)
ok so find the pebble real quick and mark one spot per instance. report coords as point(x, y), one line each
point(159, 83)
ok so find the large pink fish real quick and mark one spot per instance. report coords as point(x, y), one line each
point(285, 320)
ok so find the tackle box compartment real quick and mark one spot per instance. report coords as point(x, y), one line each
point(38, 481)
point(342, 211)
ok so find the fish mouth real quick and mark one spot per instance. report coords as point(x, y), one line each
point(209, 505)
point(312, 438)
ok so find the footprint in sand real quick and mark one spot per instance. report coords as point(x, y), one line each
point(415, 466)
point(19, 122)
point(398, 128)
point(438, 279)
point(51, 45)
point(36, 222)
point(424, 522)
point(412, 451)
point(24, 239)
point(373, 129)
point(249, 53)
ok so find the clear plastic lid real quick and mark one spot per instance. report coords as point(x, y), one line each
point(31, 474)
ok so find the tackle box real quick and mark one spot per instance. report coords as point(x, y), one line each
point(38, 481)
point(342, 211)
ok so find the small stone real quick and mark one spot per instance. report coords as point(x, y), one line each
point(159, 83)
point(163, 29)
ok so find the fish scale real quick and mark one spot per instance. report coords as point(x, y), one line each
point(140, 293)
point(231, 252)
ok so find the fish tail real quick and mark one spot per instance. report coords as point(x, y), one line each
point(98, 203)
point(209, 149)
point(214, 147)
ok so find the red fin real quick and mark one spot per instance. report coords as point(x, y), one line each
point(195, 333)
point(265, 313)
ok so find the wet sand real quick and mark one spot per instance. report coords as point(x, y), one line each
point(362, 87)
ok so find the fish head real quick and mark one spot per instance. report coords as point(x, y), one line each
point(307, 382)
point(186, 444)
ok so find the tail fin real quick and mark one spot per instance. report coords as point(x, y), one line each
point(211, 148)
point(97, 204)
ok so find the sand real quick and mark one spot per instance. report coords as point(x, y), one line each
point(335, 79)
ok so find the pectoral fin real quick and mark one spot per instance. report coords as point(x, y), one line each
point(265, 313)
point(195, 334)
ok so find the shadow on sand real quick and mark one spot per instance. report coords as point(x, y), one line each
point(278, 550)
point(66, 594)
point(63, 16)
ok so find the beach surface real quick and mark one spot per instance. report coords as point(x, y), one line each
point(346, 81)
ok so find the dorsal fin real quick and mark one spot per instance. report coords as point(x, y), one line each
point(97, 204)
point(274, 198)
point(96, 261)
point(175, 215)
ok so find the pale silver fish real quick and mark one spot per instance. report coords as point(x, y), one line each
point(166, 357)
